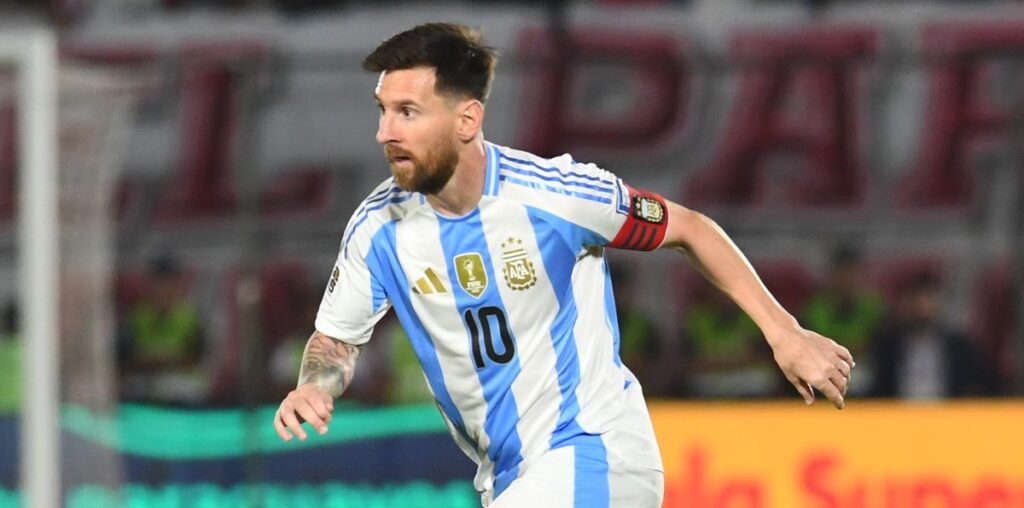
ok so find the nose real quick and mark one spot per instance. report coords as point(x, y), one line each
point(385, 130)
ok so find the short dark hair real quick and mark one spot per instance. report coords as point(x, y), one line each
point(463, 64)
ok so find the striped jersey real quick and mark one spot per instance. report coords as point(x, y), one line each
point(508, 308)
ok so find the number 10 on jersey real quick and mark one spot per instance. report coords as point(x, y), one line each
point(485, 319)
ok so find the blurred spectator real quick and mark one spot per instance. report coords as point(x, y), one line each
point(639, 338)
point(10, 360)
point(846, 310)
point(162, 341)
point(725, 353)
point(918, 357)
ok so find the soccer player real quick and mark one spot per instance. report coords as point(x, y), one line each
point(494, 261)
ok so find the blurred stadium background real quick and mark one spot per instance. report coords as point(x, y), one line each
point(868, 157)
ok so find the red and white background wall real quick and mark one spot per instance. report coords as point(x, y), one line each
point(895, 126)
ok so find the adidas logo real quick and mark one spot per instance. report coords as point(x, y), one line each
point(429, 283)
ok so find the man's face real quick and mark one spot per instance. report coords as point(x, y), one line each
point(416, 129)
point(925, 306)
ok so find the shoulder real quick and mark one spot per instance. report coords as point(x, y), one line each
point(522, 172)
point(386, 203)
point(563, 165)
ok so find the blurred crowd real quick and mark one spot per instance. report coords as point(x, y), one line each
point(905, 347)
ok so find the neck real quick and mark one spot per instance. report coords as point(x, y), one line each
point(462, 193)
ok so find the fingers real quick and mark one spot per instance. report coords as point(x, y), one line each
point(840, 381)
point(310, 406)
point(832, 392)
point(844, 375)
point(841, 377)
point(311, 415)
point(844, 369)
point(279, 427)
point(845, 355)
point(803, 389)
point(287, 414)
point(322, 408)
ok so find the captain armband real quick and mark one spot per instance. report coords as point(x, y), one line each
point(645, 224)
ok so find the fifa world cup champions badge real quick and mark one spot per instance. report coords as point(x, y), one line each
point(471, 273)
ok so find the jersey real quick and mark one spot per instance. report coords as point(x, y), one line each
point(509, 309)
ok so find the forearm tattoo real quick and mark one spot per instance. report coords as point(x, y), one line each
point(328, 363)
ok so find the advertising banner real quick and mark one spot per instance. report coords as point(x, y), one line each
point(784, 455)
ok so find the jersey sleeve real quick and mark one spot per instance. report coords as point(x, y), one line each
point(354, 301)
point(605, 210)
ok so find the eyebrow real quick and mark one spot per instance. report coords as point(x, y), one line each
point(404, 102)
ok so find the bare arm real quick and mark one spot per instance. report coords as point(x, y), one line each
point(327, 368)
point(805, 357)
point(715, 255)
point(328, 364)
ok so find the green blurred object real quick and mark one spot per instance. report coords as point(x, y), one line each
point(162, 334)
point(719, 333)
point(170, 433)
point(10, 376)
point(850, 325)
point(9, 499)
point(407, 383)
point(458, 494)
point(637, 334)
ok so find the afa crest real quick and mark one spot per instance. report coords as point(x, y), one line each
point(472, 276)
point(517, 268)
point(648, 209)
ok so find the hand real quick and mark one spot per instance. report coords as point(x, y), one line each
point(811, 361)
point(308, 403)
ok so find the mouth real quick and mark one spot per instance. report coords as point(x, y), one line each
point(405, 163)
point(397, 156)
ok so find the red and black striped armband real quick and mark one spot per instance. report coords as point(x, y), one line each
point(645, 224)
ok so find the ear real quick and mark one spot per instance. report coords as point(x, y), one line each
point(470, 119)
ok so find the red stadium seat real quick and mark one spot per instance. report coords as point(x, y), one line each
point(299, 191)
point(892, 275)
point(789, 281)
point(203, 185)
point(994, 315)
point(110, 54)
point(284, 287)
point(130, 285)
point(8, 155)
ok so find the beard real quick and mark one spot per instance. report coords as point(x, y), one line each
point(428, 175)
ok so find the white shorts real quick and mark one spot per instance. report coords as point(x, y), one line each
point(620, 468)
point(555, 481)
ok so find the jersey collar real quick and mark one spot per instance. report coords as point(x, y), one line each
point(491, 178)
